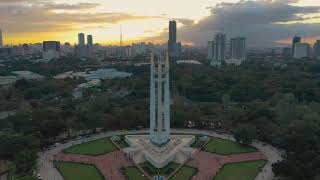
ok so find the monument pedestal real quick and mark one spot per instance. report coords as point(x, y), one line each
point(142, 149)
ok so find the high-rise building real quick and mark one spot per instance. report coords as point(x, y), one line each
point(1, 41)
point(173, 31)
point(220, 46)
point(90, 45)
point(210, 49)
point(174, 48)
point(81, 41)
point(238, 48)
point(301, 50)
point(316, 50)
point(295, 40)
point(89, 40)
point(84, 50)
point(51, 50)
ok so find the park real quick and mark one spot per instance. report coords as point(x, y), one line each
point(101, 157)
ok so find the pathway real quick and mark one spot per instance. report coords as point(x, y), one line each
point(109, 164)
point(209, 164)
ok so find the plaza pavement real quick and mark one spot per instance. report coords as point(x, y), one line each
point(209, 164)
point(109, 164)
point(48, 172)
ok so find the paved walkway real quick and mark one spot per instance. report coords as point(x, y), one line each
point(209, 164)
point(109, 164)
point(48, 172)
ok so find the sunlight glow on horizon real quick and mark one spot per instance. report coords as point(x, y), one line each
point(134, 30)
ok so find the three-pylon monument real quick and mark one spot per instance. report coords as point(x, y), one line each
point(159, 100)
point(159, 147)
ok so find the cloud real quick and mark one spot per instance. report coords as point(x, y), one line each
point(263, 22)
point(45, 16)
point(79, 6)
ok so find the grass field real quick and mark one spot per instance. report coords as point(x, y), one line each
point(225, 147)
point(76, 171)
point(240, 171)
point(134, 173)
point(185, 173)
point(152, 171)
point(122, 142)
point(97, 147)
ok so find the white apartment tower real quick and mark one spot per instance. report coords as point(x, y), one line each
point(159, 100)
point(301, 50)
point(238, 48)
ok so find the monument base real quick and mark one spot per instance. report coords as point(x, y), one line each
point(142, 149)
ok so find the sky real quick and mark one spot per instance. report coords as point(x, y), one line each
point(264, 22)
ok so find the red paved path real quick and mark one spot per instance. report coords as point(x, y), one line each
point(109, 164)
point(208, 164)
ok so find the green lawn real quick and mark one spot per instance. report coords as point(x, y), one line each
point(225, 147)
point(122, 142)
point(97, 147)
point(186, 172)
point(197, 143)
point(134, 173)
point(76, 171)
point(152, 171)
point(240, 171)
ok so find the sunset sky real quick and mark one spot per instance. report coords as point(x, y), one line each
point(264, 22)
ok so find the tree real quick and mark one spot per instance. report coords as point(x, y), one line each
point(226, 101)
point(25, 162)
point(245, 135)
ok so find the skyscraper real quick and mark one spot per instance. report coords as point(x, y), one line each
point(84, 50)
point(220, 45)
point(295, 40)
point(238, 48)
point(174, 48)
point(316, 50)
point(172, 32)
point(81, 39)
point(1, 41)
point(89, 40)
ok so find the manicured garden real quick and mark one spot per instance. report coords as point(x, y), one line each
point(133, 173)
point(225, 147)
point(93, 148)
point(186, 172)
point(152, 171)
point(240, 171)
point(77, 171)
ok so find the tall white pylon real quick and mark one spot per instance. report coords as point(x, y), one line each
point(159, 100)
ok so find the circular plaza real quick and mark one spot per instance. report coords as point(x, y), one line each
point(102, 156)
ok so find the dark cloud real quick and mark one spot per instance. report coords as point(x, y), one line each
point(261, 21)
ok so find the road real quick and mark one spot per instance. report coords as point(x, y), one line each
point(49, 172)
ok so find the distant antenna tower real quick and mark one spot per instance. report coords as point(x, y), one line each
point(120, 35)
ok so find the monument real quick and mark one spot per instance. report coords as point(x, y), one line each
point(159, 147)
point(159, 101)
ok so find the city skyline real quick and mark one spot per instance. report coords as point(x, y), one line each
point(61, 21)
